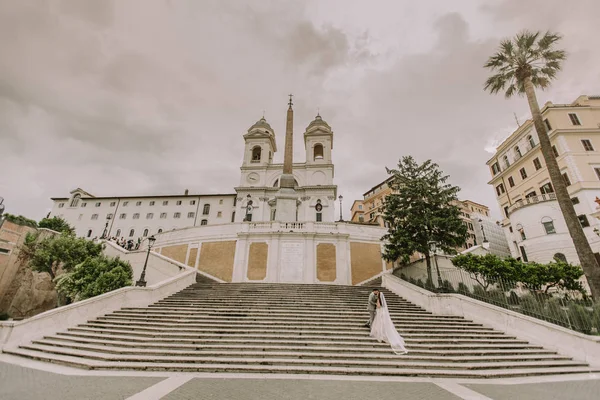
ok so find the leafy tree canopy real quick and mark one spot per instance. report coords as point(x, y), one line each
point(61, 251)
point(95, 276)
point(20, 220)
point(421, 212)
point(57, 224)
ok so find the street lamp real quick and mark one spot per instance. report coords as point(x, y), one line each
point(485, 244)
point(142, 281)
point(105, 233)
point(340, 198)
point(433, 248)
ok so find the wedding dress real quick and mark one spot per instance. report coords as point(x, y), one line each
point(383, 328)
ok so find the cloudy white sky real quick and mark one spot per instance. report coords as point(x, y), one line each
point(153, 96)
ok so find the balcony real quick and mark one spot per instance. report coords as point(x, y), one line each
point(532, 200)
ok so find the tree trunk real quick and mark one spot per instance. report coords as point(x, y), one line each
point(582, 246)
point(429, 277)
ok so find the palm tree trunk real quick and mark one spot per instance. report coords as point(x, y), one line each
point(582, 246)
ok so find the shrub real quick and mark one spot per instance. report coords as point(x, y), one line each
point(513, 299)
point(419, 282)
point(581, 318)
point(555, 313)
point(531, 306)
point(463, 289)
point(447, 287)
point(496, 297)
point(479, 292)
point(4, 316)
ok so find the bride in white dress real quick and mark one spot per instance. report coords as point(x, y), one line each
point(383, 328)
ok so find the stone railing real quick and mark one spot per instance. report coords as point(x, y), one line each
point(276, 226)
point(532, 200)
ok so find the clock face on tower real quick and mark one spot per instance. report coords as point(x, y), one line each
point(252, 178)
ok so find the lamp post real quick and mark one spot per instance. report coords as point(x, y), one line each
point(105, 233)
point(433, 248)
point(485, 244)
point(142, 281)
point(340, 198)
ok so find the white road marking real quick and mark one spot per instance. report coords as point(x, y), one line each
point(461, 391)
point(162, 388)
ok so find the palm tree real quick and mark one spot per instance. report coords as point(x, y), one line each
point(521, 64)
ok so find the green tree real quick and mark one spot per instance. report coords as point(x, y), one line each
point(20, 220)
point(488, 269)
point(420, 213)
point(95, 276)
point(524, 63)
point(557, 274)
point(57, 224)
point(54, 252)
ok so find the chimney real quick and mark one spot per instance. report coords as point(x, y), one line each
point(186, 192)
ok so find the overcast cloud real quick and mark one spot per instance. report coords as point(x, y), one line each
point(142, 97)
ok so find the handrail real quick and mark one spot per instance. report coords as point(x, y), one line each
point(532, 200)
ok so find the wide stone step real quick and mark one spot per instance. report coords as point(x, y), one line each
point(299, 353)
point(242, 313)
point(299, 311)
point(124, 341)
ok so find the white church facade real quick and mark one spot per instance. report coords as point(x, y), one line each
point(278, 226)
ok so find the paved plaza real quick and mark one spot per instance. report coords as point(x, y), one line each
point(36, 382)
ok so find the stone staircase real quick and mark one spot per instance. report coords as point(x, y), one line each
point(284, 328)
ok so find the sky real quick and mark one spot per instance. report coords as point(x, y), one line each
point(141, 97)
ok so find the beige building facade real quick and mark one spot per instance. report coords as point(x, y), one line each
point(533, 222)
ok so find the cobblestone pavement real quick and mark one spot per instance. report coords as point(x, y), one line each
point(306, 389)
point(18, 383)
point(574, 390)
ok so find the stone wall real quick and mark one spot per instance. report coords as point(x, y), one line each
point(326, 262)
point(216, 259)
point(257, 261)
point(366, 261)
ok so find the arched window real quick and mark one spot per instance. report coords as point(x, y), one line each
point(518, 152)
point(548, 224)
point(521, 231)
point(560, 257)
point(131, 233)
point(256, 154)
point(319, 209)
point(75, 201)
point(204, 222)
point(506, 163)
point(118, 233)
point(531, 141)
point(89, 234)
point(145, 232)
point(160, 230)
point(206, 209)
point(318, 152)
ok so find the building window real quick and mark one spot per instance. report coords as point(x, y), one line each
point(80, 217)
point(530, 194)
point(75, 200)
point(584, 221)
point(219, 214)
point(575, 200)
point(136, 216)
point(118, 232)
point(548, 126)
point(518, 153)
point(206, 209)
point(122, 216)
point(94, 216)
point(495, 168)
point(192, 202)
point(521, 232)
point(546, 188)
point(560, 257)
point(163, 215)
point(159, 230)
point(125, 203)
point(500, 189)
point(523, 254)
point(587, 145)
point(523, 173)
point(145, 232)
point(574, 119)
point(191, 215)
point(537, 164)
point(177, 215)
point(256, 154)
point(89, 233)
point(138, 203)
point(152, 203)
point(61, 205)
point(166, 203)
point(83, 204)
point(178, 202)
point(506, 211)
point(470, 225)
point(318, 152)
point(113, 203)
point(98, 204)
point(220, 201)
point(548, 225)
point(531, 141)
point(149, 215)
point(109, 216)
point(204, 222)
point(566, 178)
point(360, 206)
point(234, 201)
point(233, 216)
point(555, 151)
point(131, 233)
point(511, 181)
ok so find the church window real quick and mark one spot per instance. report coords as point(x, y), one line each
point(318, 152)
point(206, 209)
point(145, 232)
point(75, 200)
point(131, 233)
point(204, 222)
point(256, 154)
point(118, 232)
point(319, 209)
point(160, 230)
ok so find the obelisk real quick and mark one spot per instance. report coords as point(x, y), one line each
point(286, 196)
